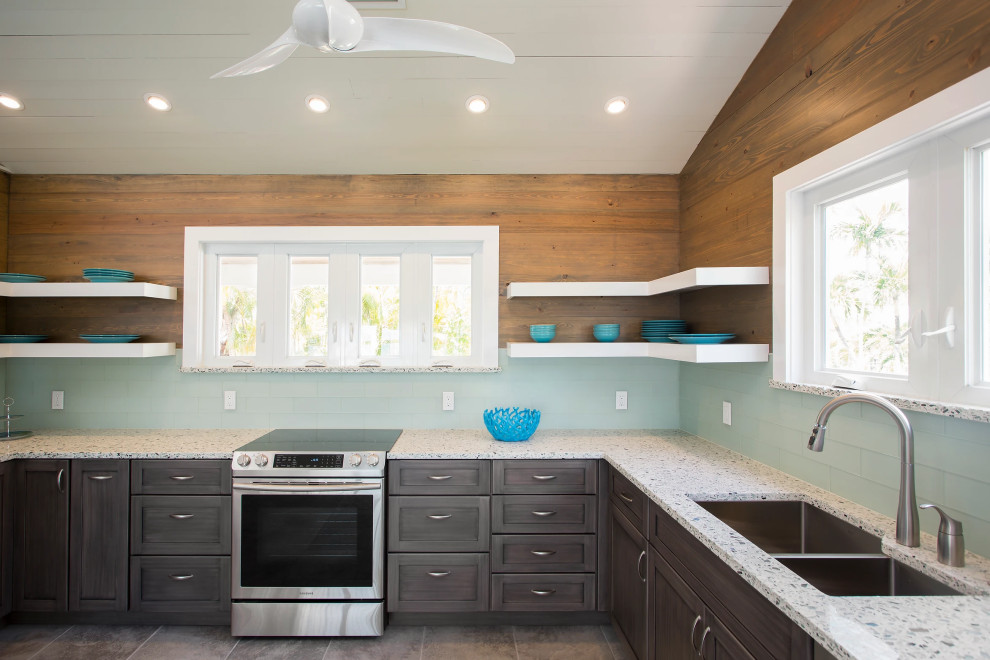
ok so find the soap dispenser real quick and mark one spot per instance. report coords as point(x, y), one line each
point(951, 549)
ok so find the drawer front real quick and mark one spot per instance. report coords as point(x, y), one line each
point(465, 477)
point(455, 582)
point(534, 514)
point(530, 553)
point(632, 501)
point(543, 593)
point(180, 477)
point(564, 477)
point(180, 525)
point(180, 584)
point(438, 524)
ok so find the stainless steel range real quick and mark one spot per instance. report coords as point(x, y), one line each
point(308, 533)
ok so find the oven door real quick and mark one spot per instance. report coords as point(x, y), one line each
point(296, 539)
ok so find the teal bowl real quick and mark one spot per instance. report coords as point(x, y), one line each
point(542, 333)
point(606, 331)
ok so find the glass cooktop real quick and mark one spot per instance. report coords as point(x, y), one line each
point(324, 440)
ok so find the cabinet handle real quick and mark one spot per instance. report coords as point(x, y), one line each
point(543, 553)
point(694, 627)
point(543, 514)
point(182, 477)
point(440, 516)
point(543, 592)
point(701, 647)
point(58, 480)
point(438, 573)
point(100, 477)
point(181, 578)
point(639, 566)
point(544, 477)
point(440, 477)
point(181, 516)
point(625, 497)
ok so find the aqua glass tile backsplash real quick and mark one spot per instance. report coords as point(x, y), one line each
point(861, 457)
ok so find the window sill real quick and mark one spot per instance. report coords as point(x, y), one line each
point(340, 370)
point(972, 413)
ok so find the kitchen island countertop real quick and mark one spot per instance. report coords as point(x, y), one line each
point(674, 468)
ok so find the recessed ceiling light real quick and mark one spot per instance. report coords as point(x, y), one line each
point(616, 105)
point(477, 104)
point(10, 102)
point(158, 102)
point(317, 103)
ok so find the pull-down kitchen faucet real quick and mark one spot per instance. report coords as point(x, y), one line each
point(908, 531)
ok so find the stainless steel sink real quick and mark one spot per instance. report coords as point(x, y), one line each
point(834, 556)
point(786, 527)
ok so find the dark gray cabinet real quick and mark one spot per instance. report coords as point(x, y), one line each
point(628, 573)
point(180, 525)
point(6, 537)
point(98, 535)
point(443, 523)
point(438, 582)
point(41, 547)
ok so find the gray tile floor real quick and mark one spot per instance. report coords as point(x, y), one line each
point(42, 642)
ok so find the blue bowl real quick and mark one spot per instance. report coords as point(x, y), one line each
point(511, 424)
point(542, 333)
point(606, 331)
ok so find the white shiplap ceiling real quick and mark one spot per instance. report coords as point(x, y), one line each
point(81, 67)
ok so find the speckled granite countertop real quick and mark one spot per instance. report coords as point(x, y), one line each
point(674, 468)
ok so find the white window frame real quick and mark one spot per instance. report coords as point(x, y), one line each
point(940, 124)
point(414, 245)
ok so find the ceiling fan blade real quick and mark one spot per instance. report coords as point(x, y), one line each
point(275, 53)
point(430, 36)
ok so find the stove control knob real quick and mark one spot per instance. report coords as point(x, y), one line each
point(355, 460)
point(244, 460)
point(373, 460)
point(260, 460)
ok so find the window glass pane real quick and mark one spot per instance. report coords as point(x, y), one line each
point(985, 270)
point(238, 283)
point(452, 306)
point(309, 287)
point(865, 240)
point(379, 306)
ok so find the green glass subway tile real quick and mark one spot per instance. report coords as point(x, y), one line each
point(343, 420)
point(82, 400)
point(149, 388)
point(198, 385)
point(211, 404)
point(864, 491)
point(197, 420)
point(804, 468)
point(104, 420)
point(964, 429)
point(391, 389)
point(968, 495)
point(760, 451)
point(245, 421)
point(152, 420)
point(269, 404)
point(293, 420)
point(322, 405)
point(250, 387)
point(294, 388)
point(110, 389)
point(416, 405)
point(128, 404)
point(883, 438)
point(338, 388)
point(954, 456)
point(363, 405)
point(177, 404)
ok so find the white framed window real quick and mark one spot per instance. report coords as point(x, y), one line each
point(882, 260)
point(326, 297)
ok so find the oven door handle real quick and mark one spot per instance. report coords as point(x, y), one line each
point(306, 488)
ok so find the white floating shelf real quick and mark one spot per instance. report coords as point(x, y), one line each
point(87, 290)
point(688, 280)
point(679, 352)
point(86, 350)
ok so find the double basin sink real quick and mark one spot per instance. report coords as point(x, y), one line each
point(831, 554)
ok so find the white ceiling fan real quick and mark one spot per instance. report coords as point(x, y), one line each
point(335, 26)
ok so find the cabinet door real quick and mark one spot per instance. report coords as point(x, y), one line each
point(677, 615)
point(41, 549)
point(98, 535)
point(6, 536)
point(628, 570)
point(721, 644)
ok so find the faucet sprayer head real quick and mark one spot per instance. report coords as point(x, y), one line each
point(817, 440)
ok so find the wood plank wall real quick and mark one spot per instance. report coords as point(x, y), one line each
point(829, 70)
point(560, 227)
point(4, 208)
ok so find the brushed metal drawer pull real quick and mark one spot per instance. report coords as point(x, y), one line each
point(625, 497)
point(438, 573)
point(440, 477)
point(181, 516)
point(180, 578)
point(544, 477)
point(543, 553)
point(543, 514)
point(639, 565)
point(181, 477)
point(701, 647)
point(100, 477)
point(543, 592)
point(694, 626)
point(440, 516)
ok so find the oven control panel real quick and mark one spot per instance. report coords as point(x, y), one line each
point(309, 461)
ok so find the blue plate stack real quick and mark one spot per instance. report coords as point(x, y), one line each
point(21, 277)
point(703, 338)
point(109, 339)
point(660, 331)
point(107, 275)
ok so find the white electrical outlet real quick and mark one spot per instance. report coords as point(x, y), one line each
point(230, 400)
point(58, 400)
point(448, 400)
point(727, 413)
point(621, 400)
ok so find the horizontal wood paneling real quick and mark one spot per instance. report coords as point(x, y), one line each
point(559, 227)
point(828, 71)
point(4, 207)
